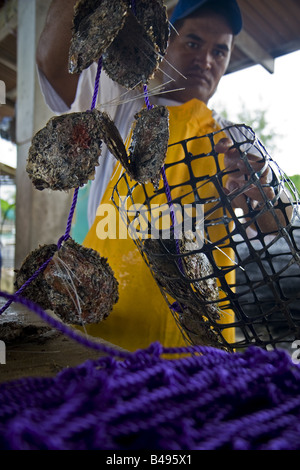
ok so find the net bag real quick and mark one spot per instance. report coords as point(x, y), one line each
point(218, 270)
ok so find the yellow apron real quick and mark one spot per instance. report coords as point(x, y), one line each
point(142, 315)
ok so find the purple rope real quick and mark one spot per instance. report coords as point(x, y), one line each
point(133, 6)
point(146, 97)
point(208, 401)
point(69, 221)
point(97, 80)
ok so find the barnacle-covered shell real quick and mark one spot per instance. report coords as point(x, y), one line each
point(38, 289)
point(135, 54)
point(198, 268)
point(113, 139)
point(83, 288)
point(181, 278)
point(77, 283)
point(95, 26)
point(199, 331)
point(149, 144)
point(154, 19)
point(64, 154)
point(131, 40)
point(133, 57)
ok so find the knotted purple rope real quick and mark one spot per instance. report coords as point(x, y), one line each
point(208, 401)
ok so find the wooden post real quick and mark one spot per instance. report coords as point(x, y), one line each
point(41, 216)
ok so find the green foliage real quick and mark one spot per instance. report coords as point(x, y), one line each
point(7, 209)
point(296, 180)
point(257, 119)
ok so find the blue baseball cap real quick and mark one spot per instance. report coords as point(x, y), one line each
point(229, 8)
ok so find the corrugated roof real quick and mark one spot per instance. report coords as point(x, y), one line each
point(274, 27)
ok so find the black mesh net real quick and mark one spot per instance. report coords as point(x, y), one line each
point(217, 269)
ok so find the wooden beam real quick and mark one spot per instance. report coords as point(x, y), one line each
point(8, 63)
point(8, 18)
point(252, 49)
point(12, 94)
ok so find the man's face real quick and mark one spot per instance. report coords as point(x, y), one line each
point(201, 53)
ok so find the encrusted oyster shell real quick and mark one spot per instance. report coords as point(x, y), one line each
point(77, 284)
point(132, 58)
point(131, 39)
point(95, 26)
point(65, 153)
point(149, 145)
point(189, 281)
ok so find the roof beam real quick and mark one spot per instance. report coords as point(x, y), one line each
point(8, 63)
point(252, 49)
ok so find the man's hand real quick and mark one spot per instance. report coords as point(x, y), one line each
point(256, 195)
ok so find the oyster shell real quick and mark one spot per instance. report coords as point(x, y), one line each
point(132, 41)
point(149, 145)
point(77, 284)
point(195, 297)
point(64, 154)
point(95, 26)
point(133, 57)
point(82, 285)
point(154, 19)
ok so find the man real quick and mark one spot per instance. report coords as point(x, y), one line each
point(201, 53)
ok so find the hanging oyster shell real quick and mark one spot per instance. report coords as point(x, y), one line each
point(189, 281)
point(77, 284)
point(95, 26)
point(149, 145)
point(64, 154)
point(133, 56)
point(154, 19)
point(82, 286)
point(132, 41)
point(148, 148)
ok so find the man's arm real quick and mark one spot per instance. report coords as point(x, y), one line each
point(53, 49)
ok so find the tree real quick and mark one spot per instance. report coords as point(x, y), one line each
point(257, 119)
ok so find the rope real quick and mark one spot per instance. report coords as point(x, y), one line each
point(208, 401)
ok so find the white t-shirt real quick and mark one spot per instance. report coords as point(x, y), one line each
point(119, 103)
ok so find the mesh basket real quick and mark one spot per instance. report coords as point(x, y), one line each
point(215, 267)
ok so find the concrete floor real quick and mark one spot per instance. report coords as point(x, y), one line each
point(35, 349)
